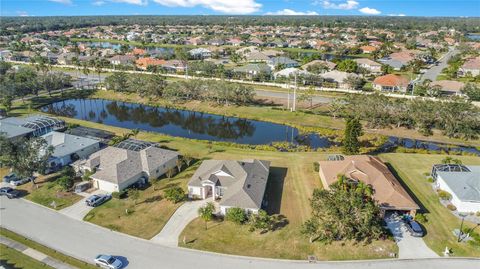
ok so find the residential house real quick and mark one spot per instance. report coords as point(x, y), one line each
point(251, 70)
point(449, 87)
point(471, 67)
point(369, 65)
point(236, 183)
point(122, 60)
point(235, 42)
point(329, 65)
point(256, 57)
point(144, 63)
point(200, 53)
point(337, 77)
point(285, 62)
point(36, 125)
point(388, 192)
point(174, 66)
point(391, 83)
point(127, 163)
point(462, 182)
point(289, 72)
point(68, 148)
point(368, 49)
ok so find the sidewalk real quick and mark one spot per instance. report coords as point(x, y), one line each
point(34, 254)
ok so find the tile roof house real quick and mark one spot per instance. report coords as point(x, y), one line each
point(253, 69)
point(122, 59)
point(200, 53)
point(462, 182)
point(236, 183)
point(470, 67)
point(368, 49)
point(127, 163)
point(391, 83)
point(388, 192)
point(68, 148)
point(256, 57)
point(144, 63)
point(449, 87)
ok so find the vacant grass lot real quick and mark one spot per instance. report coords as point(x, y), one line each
point(11, 258)
point(146, 216)
point(441, 222)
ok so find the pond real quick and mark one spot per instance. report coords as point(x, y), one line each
point(211, 127)
point(183, 123)
point(473, 36)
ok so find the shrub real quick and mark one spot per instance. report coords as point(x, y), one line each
point(477, 214)
point(119, 195)
point(451, 207)
point(175, 194)
point(65, 182)
point(260, 221)
point(444, 195)
point(236, 215)
point(421, 218)
point(430, 179)
point(316, 166)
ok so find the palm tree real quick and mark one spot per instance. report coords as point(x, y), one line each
point(206, 213)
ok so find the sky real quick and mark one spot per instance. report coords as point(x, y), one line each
point(453, 8)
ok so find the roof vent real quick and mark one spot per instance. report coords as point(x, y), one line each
point(248, 186)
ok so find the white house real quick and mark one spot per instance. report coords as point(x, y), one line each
point(236, 183)
point(69, 148)
point(462, 182)
point(129, 162)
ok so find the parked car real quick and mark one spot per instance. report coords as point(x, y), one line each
point(108, 261)
point(83, 186)
point(97, 199)
point(21, 181)
point(10, 177)
point(414, 228)
point(9, 192)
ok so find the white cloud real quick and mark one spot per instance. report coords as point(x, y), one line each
point(98, 3)
point(397, 15)
point(22, 13)
point(369, 11)
point(133, 2)
point(349, 4)
point(65, 2)
point(224, 6)
point(291, 12)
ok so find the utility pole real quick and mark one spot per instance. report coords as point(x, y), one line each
point(295, 93)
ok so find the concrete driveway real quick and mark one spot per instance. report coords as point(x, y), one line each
point(187, 212)
point(84, 241)
point(409, 247)
point(79, 210)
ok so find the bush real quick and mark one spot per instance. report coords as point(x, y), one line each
point(451, 207)
point(65, 182)
point(175, 194)
point(477, 214)
point(430, 179)
point(236, 215)
point(444, 195)
point(421, 218)
point(316, 166)
point(119, 195)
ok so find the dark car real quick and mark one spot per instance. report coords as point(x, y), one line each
point(9, 192)
point(414, 228)
point(97, 199)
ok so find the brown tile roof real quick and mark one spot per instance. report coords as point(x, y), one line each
point(473, 63)
point(370, 170)
point(391, 80)
point(449, 85)
point(145, 62)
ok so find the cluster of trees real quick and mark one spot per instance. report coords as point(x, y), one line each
point(155, 86)
point(455, 118)
point(347, 211)
point(23, 81)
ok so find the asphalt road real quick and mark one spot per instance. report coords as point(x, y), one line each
point(433, 72)
point(83, 241)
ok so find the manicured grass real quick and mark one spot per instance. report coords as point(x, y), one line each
point(287, 243)
point(441, 222)
point(45, 250)
point(148, 215)
point(46, 191)
point(12, 258)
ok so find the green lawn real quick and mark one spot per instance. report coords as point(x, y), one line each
point(45, 250)
point(11, 258)
point(46, 191)
point(147, 215)
point(441, 222)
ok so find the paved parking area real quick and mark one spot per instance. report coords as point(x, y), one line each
point(79, 210)
point(409, 247)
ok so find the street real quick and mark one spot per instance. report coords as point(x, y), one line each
point(84, 241)
point(432, 73)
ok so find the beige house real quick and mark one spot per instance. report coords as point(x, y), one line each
point(388, 192)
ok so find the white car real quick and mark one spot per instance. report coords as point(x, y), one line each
point(108, 261)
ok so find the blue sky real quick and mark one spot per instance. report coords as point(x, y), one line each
point(456, 8)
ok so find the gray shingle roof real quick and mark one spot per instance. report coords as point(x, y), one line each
point(66, 144)
point(465, 185)
point(244, 181)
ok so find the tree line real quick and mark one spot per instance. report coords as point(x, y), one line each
point(456, 118)
point(155, 86)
